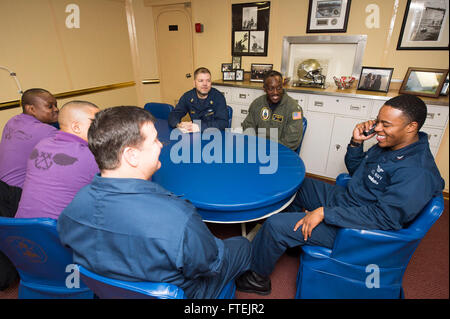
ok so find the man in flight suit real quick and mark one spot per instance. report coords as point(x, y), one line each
point(391, 183)
point(202, 103)
point(277, 110)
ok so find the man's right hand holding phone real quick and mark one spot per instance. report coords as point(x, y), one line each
point(363, 131)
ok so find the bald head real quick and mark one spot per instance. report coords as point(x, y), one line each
point(75, 117)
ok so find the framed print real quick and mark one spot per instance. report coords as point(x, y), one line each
point(229, 76)
point(423, 81)
point(444, 90)
point(236, 61)
point(227, 67)
point(239, 74)
point(328, 16)
point(375, 79)
point(250, 28)
point(425, 25)
point(258, 71)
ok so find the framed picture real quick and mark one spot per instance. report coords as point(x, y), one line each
point(375, 79)
point(328, 16)
point(423, 81)
point(236, 61)
point(444, 90)
point(239, 74)
point(425, 26)
point(227, 67)
point(229, 75)
point(250, 28)
point(258, 71)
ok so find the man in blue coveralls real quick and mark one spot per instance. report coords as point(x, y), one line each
point(203, 103)
point(390, 185)
point(126, 227)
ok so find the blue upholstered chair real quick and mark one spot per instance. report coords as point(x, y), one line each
point(159, 110)
point(363, 263)
point(107, 288)
point(230, 115)
point(33, 246)
point(305, 125)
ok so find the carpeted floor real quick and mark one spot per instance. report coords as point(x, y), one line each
point(427, 275)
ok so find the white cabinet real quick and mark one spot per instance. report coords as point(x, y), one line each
point(331, 120)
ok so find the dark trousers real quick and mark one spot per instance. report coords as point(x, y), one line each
point(277, 233)
point(9, 201)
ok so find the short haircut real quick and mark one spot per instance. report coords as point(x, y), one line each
point(29, 96)
point(270, 74)
point(113, 130)
point(201, 70)
point(412, 107)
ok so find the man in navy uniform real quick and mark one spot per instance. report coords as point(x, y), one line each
point(202, 103)
point(126, 227)
point(391, 183)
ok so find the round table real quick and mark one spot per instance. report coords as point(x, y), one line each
point(228, 177)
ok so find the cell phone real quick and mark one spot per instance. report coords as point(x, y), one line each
point(369, 132)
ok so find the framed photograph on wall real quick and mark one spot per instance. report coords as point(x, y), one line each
point(328, 16)
point(423, 81)
point(250, 28)
point(229, 76)
point(239, 74)
point(258, 71)
point(425, 26)
point(375, 79)
point(227, 67)
point(236, 61)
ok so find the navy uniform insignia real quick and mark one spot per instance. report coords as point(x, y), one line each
point(265, 113)
point(192, 100)
point(192, 112)
point(277, 118)
point(211, 102)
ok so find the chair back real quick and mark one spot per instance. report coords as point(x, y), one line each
point(305, 125)
point(230, 115)
point(108, 288)
point(33, 246)
point(159, 110)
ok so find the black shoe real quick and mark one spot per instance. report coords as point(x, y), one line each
point(252, 282)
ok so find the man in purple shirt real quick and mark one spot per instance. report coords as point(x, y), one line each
point(59, 166)
point(22, 132)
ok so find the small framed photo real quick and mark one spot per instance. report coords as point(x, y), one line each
point(375, 79)
point(444, 90)
point(239, 74)
point(229, 76)
point(328, 16)
point(227, 67)
point(425, 26)
point(423, 81)
point(236, 62)
point(258, 71)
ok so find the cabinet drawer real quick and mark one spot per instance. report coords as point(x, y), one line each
point(226, 91)
point(339, 105)
point(434, 135)
point(245, 96)
point(436, 115)
point(302, 99)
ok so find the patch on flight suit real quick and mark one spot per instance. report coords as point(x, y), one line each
point(277, 118)
point(297, 115)
point(265, 113)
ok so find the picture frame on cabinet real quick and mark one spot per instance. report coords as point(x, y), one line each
point(239, 74)
point(229, 76)
point(257, 71)
point(423, 81)
point(375, 79)
point(236, 62)
point(425, 26)
point(328, 16)
point(227, 67)
point(444, 90)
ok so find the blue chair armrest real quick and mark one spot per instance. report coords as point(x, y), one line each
point(343, 179)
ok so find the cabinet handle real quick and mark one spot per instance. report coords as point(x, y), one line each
point(355, 107)
point(337, 147)
point(430, 115)
point(242, 96)
point(318, 103)
point(244, 112)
